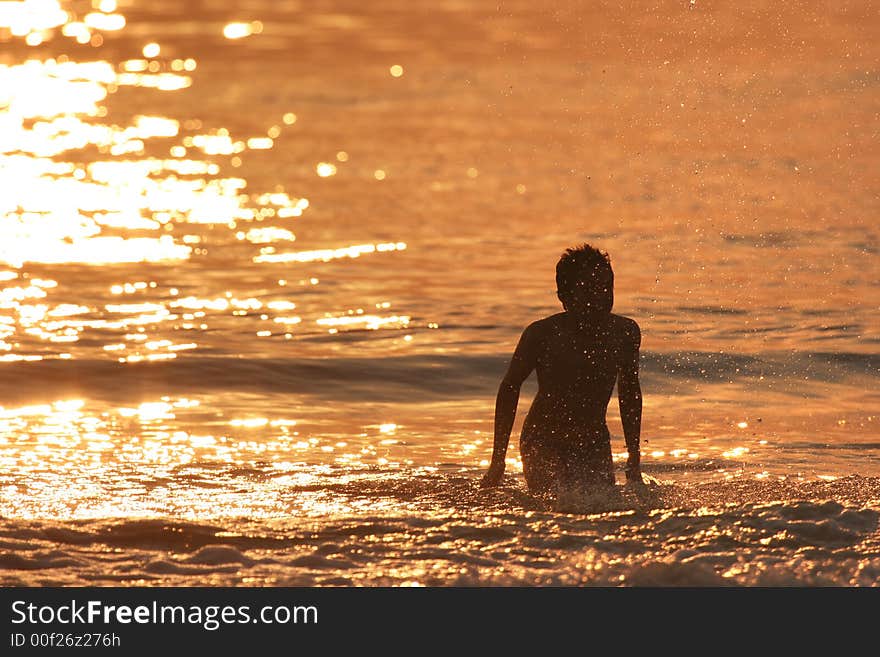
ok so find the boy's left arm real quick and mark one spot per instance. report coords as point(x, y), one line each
point(629, 394)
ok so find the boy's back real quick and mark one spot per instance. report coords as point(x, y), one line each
point(579, 364)
point(565, 441)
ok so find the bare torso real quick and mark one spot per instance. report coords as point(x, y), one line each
point(577, 365)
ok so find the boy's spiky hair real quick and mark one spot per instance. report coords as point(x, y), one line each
point(577, 263)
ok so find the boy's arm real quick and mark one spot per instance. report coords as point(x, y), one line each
point(629, 395)
point(521, 365)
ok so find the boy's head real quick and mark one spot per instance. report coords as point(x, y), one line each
point(585, 280)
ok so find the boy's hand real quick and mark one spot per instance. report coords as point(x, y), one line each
point(633, 470)
point(493, 477)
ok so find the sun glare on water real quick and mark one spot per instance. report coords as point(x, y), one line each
point(84, 187)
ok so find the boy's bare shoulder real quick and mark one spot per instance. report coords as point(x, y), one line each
point(550, 323)
point(542, 328)
point(627, 326)
point(555, 324)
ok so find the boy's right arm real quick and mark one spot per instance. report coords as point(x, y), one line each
point(521, 365)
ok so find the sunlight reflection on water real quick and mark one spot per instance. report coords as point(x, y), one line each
point(117, 200)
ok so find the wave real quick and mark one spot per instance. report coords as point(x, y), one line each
point(400, 379)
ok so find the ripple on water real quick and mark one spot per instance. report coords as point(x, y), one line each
point(450, 532)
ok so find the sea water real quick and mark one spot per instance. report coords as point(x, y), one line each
point(262, 265)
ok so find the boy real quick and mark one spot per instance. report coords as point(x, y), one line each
point(579, 354)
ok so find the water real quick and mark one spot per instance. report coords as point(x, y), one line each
point(262, 264)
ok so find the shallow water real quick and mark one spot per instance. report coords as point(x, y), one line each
point(262, 264)
point(344, 527)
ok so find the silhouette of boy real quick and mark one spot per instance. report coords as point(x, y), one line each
point(579, 355)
